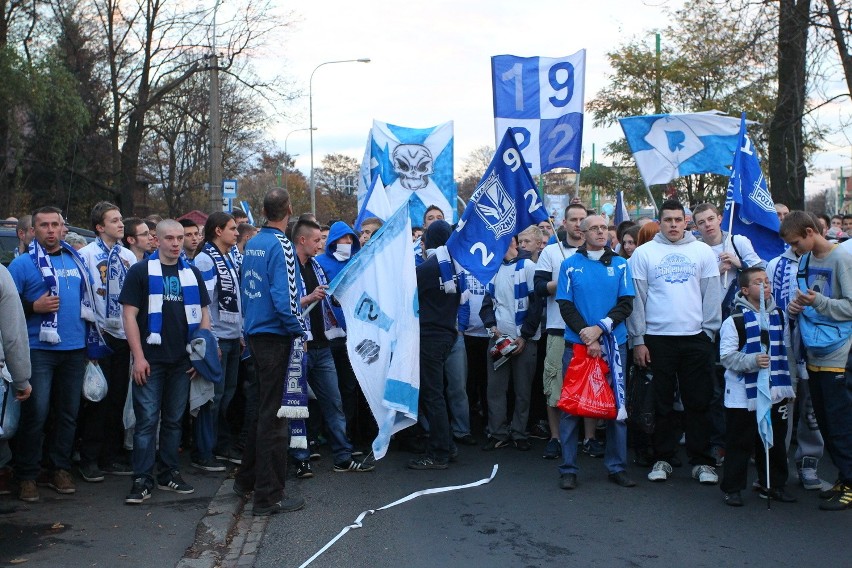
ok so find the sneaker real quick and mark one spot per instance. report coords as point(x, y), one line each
point(5, 481)
point(62, 483)
point(90, 472)
point(660, 472)
point(467, 440)
point(426, 462)
point(232, 456)
point(777, 495)
point(313, 448)
point(808, 473)
point(241, 491)
point(523, 445)
point(553, 449)
point(494, 444)
point(568, 481)
point(28, 491)
point(117, 468)
point(718, 453)
point(734, 499)
point(208, 465)
point(593, 448)
point(174, 482)
point(304, 470)
point(842, 500)
point(835, 490)
point(139, 491)
point(287, 505)
point(454, 454)
point(352, 465)
point(622, 479)
point(705, 474)
point(540, 432)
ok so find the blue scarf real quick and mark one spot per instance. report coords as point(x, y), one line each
point(49, 332)
point(779, 371)
point(522, 291)
point(613, 359)
point(191, 297)
point(226, 285)
point(115, 274)
point(331, 327)
point(453, 280)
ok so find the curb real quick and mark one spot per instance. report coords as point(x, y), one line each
point(214, 529)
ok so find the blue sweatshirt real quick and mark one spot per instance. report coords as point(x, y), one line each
point(265, 290)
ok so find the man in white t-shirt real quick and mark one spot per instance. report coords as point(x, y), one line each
point(676, 315)
point(734, 253)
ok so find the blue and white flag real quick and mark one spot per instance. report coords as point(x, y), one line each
point(415, 166)
point(749, 209)
point(377, 290)
point(541, 99)
point(621, 213)
point(247, 209)
point(667, 146)
point(375, 204)
point(504, 203)
point(763, 399)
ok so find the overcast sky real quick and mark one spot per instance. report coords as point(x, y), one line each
point(431, 63)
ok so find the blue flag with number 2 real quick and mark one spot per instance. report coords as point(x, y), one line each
point(504, 204)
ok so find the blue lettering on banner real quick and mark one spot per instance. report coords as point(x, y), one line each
point(675, 268)
point(368, 310)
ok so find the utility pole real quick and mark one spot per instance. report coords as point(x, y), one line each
point(215, 127)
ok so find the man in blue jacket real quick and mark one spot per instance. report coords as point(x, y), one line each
point(270, 299)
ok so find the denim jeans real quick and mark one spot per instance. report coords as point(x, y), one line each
point(264, 466)
point(322, 378)
point(615, 454)
point(455, 372)
point(434, 351)
point(224, 393)
point(57, 381)
point(832, 396)
point(162, 399)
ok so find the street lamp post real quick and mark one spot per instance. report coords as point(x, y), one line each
point(215, 127)
point(311, 120)
point(287, 154)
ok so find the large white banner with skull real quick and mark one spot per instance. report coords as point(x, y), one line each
point(415, 165)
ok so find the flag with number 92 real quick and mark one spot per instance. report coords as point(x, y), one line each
point(504, 204)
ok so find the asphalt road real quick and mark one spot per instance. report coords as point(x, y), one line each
point(523, 519)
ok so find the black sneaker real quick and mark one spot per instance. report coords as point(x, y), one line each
point(91, 473)
point(208, 465)
point(117, 468)
point(241, 491)
point(540, 431)
point(426, 462)
point(174, 482)
point(313, 448)
point(467, 440)
point(841, 501)
point(139, 492)
point(523, 445)
point(553, 449)
point(777, 495)
point(283, 506)
point(734, 499)
point(304, 470)
point(232, 456)
point(494, 444)
point(593, 448)
point(353, 465)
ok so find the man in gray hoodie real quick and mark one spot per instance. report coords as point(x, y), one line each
point(14, 357)
point(676, 314)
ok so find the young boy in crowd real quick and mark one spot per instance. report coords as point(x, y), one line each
point(746, 348)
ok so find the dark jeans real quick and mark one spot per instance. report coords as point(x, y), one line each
point(248, 388)
point(347, 383)
point(477, 375)
point(742, 441)
point(686, 363)
point(57, 381)
point(161, 400)
point(224, 393)
point(434, 351)
point(264, 466)
point(832, 396)
point(102, 422)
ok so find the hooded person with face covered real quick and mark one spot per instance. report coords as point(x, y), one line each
point(342, 244)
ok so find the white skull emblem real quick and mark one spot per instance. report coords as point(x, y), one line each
point(413, 163)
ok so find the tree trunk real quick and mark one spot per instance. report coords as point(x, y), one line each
point(787, 169)
point(840, 39)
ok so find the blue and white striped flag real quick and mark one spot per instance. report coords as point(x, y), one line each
point(375, 204)
point(377, 290)
point(247, 209)
point(621, 213)
point(763, 400)
point(667, 146)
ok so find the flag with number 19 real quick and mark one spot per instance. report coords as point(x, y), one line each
point(504, 204)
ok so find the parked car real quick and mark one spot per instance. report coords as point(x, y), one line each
point(9, 239)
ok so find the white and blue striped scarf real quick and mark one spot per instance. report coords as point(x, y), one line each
point(522, 292)
point(453, 280)
point(156, 289)
point(779, 375)
point(613, 359)
point(226, 284)
point(49, 332)
point(115, 274)
point(331, 327)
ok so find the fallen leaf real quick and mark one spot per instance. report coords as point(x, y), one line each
point(18, 560)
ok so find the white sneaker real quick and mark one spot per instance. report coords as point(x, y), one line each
point(705, 474)
point(660, 471)
point(808, 474)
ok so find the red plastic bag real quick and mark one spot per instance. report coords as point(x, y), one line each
point(585, 389)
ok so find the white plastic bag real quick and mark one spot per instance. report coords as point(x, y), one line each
point(94, 383)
